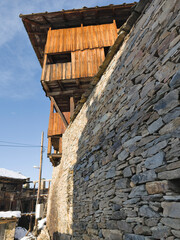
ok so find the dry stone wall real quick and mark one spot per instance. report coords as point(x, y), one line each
point(119, 176)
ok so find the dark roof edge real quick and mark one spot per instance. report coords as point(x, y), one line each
point(124, 30)
point(84, 9)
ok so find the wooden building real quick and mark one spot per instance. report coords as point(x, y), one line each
point(71, 46)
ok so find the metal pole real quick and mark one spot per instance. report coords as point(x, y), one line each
point(40, 169)
point(39, 182)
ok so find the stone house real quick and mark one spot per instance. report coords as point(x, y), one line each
point(11, 187)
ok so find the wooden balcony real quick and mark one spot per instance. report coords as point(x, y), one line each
point(55, 131)
point(64, 80)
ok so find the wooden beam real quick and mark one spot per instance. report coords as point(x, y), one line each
point(68, 92)
point(44, 67)
point(61, 86)
point(4, 221)
point(49, 145)
point(72, 106)
point(60, 113)
point(38, 33)
point(31, 22)
point(48, 22)
point(45, 86)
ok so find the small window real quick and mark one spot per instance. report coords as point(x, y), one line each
point(59, 58)
point(106, 49)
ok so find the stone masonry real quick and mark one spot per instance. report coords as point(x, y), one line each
point(119, 176)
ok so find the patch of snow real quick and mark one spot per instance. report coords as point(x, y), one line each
point(11, 174)
point(41, 223)
point(10, 214)
point(20, 232)
point(29, 237)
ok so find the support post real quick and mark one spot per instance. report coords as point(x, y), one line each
point(60, 113)
point(40, 169)
point(71, 106)
point(39, 182)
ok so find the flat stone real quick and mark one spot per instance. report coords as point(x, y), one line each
point(110, 135)
point(124, 226)
point(173, 165)
point(171, 53)
point(172, 115)
point(173, 174)
point(134, 237)
point(116, 207)
point(171, 209)
point(97, 128)
point(142, 230)
point(122, 183)
point(172, 198)
point(151, 222)
point(112, 234)
point(119, 215)
point(167, 103)
point(123, 155)
point(154, 149)
point(95, 205)
point(111, 224)
point(175, 81)
point(157, 187)
point(134, 220)
point(131, 201)
point(111, 173)
point(171, 126)
point(127, 172)
point(105, 117)
point(176, 233)
point(171, 222)
point(160, 232)
point(144, 177)
point(146, 211)
point(156, 125)
point(138, 191)
point(147, 88)
point(132, 141)
point(155, 161)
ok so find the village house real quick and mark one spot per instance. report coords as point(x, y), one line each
point(112, 75)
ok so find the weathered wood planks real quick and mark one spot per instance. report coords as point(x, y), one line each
point(83, 64)
point(80, 38)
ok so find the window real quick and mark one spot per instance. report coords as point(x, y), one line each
point(106, 49)
point(59, 58)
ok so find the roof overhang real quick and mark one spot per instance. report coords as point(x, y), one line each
point(37, 25)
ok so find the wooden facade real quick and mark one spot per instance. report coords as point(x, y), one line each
point(74, 44)
point(80, 38)
point(72, 58)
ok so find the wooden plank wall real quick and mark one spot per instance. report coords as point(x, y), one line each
point(80, 38)
point(83, 64)
point(56, 125)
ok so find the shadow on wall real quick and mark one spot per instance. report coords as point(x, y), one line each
point(57, 236)
point(126, 139)
point(93, 189)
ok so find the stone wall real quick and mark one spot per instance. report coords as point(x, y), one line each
point(119, 176)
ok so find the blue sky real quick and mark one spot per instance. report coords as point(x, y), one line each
point(24, 107)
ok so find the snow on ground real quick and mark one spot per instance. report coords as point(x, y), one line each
point(41, 223)
point(11, 174)
point(29, 237)
point(20, 232)
point(10, 214)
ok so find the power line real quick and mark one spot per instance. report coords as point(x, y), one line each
point(18, 145)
